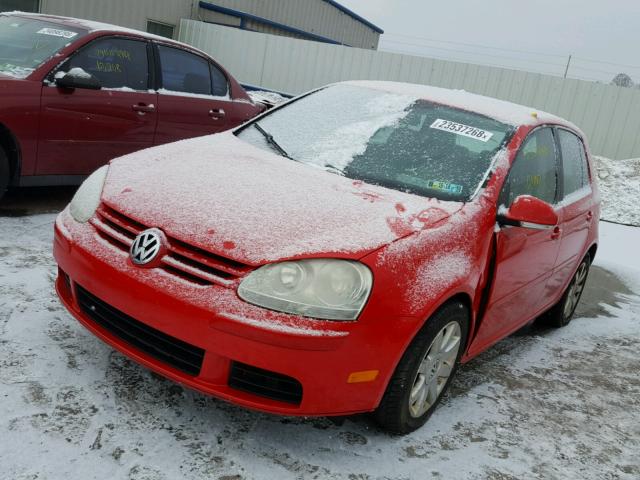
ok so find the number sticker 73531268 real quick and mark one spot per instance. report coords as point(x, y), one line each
point(461, 129)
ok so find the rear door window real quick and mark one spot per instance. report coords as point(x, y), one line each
point(184, 72)
point(116, 62)
point(535, 170)
point(574, 162)
point(219, 82)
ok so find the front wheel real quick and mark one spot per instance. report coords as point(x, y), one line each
point(425, 371)
point(4, 172)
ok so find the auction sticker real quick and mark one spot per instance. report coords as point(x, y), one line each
point(54, 32)
point(461, 129)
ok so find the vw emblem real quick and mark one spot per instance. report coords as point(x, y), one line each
point(146, 247)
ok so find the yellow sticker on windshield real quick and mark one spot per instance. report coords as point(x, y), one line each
point(461, 129)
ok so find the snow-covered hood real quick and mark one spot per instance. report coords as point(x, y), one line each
point(226, 196)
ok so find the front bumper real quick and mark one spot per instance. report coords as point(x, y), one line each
point(319, 355)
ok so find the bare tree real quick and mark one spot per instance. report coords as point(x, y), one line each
point(622, 80)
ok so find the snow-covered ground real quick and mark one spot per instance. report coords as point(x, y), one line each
point(542, 404)
point(620, 187)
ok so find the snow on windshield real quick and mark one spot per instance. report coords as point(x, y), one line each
point(26, 43)
point(349, 129)
point(387, 139)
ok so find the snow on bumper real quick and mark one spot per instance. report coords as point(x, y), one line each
point(319, 355)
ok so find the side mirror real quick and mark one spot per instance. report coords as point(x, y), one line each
point(529, 212)
point(77, 78)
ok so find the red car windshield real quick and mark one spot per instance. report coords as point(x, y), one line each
point(386, 139)
point(25, 43)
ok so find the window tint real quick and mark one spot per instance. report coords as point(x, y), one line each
point(116, 62)
point(220, 86)
point(162, 29)
point(184, 72)
point(574, 162)
point(534, 171)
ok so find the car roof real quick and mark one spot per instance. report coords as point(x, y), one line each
point(93, 26)
point(503, 111)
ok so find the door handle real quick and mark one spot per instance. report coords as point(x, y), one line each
point(557, 231)
point(143, 108)
point(589, 217)
point(217, 113)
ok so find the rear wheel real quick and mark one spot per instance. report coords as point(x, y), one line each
point(425, 371)
point(4, 172)
point(562, 312)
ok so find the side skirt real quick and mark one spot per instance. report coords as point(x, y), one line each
point(51, 180)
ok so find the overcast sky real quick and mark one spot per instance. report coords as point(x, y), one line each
point(604, 30)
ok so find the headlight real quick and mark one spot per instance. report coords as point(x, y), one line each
point(86, 200)
point(325, 289)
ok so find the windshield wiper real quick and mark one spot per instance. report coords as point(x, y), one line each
point(272, 141)
point(330, 168)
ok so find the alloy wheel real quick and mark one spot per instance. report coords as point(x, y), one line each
point(435, 369)
point(575, 289)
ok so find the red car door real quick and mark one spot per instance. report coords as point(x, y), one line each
point(525, 257)
point(194, 99)
point(578, 208)
point(82, 129)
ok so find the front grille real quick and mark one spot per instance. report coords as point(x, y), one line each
point(175, 353)
point(265, 383)
point(186, 261)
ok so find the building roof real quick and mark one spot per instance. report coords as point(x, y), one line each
point(354, 15)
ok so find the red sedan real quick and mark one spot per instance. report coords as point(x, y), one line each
point(74, 94)
point(342, 253)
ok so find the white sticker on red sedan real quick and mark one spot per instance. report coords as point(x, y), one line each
point(54, 32)
point(461, 129)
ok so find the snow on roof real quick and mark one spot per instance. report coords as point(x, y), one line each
point(503, 111)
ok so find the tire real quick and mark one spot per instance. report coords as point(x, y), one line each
point(562, 312)
point(400, 412)
point(5, 172)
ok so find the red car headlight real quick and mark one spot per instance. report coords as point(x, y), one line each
point(327, 289)
point(86, 200)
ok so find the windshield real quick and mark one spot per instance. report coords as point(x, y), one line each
point(385, 139)
point(26, 43)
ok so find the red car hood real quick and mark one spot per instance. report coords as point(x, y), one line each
point(228, 197)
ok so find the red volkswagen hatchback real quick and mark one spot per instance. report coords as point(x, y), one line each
point(342, 253)
point(75, 94)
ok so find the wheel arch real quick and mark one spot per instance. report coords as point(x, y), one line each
point(592, 252)
point(460, 296)
point(9, 143)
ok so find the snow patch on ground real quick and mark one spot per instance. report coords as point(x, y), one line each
point(539, 405)
point(620, 188)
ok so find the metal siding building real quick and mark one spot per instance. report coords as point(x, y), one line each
point(126, 13)
point(319, 20)
point(322, 18)
point(609, 115)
